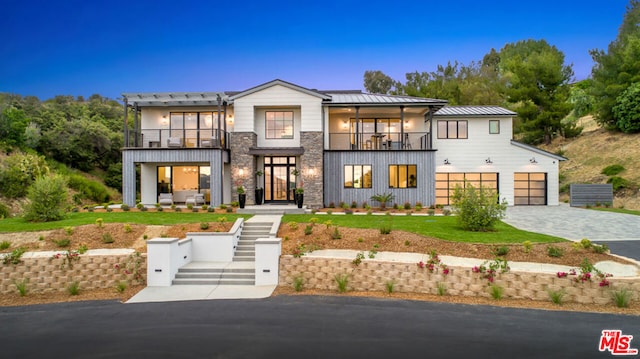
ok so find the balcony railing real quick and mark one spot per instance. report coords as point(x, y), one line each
point(368, 141)
point(164, 138)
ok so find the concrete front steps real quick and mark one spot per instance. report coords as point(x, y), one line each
point(216, 273)
point(241, 271)
point(246, 249)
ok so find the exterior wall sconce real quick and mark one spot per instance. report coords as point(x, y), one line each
point(446, 161)
point(230, 120)
point(311, 172)
point(488, 161)
point(164, 120)
point(344, 124)
point(533, 160)
point(241, 173)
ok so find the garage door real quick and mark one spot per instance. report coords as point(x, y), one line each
point(530, 189)
point(447, 182)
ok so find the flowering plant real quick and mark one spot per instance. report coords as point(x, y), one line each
point(434, 263)
point(586, 268)
point(67, 258)
point(489, 273)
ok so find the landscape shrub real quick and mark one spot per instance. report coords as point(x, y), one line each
point(19, 171)
point(612, 170)
point(90, 189)
point(477, 209)
point(4, 211)
point(618, 183)
point(47, 199)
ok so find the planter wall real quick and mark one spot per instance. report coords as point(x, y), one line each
point(371, 275)
point(92, 270)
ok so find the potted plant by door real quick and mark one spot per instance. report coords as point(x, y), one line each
point(259, 189)
point(295, 174)
point(299, 196)
point(242, 196)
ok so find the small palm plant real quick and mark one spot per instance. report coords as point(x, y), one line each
point(383, 199)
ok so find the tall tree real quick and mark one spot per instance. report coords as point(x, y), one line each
point(537, 85)
point(618, 68)
point(377, 82)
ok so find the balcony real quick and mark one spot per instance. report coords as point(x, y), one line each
point(372, 141)
point(176, 139)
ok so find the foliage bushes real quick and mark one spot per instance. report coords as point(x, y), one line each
point(478, 209)
point(92, 190)
point(4, 211)
point(612, 170)
point(19, 171)
point(626, 112)
point(618, 183)
point(48, 197)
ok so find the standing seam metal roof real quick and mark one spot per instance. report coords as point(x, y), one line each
point(474, 111)
point(368, 98)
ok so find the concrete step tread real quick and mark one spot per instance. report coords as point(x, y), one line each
point(216, 270)
point(214, 277)
point(213, 282)
point(244, 259)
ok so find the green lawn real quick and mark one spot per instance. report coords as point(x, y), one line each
point(617, 210)
point(437, 227)
point(80, 218)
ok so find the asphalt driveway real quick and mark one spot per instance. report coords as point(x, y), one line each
point(621, 232)
point(303, 327)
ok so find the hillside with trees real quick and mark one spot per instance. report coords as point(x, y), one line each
point(75, 141)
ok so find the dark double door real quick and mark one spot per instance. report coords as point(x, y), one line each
point(279, 182)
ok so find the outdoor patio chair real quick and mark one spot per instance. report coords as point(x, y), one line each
point(199, 199)
point(174, 142)
point(166, 199)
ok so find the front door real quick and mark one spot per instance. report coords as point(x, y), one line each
point(279, 182)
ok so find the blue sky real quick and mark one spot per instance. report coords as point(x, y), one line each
point(85, 47)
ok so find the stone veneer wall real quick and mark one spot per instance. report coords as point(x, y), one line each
point(313, 144)
point(240, 143)
point(91, 271)
point(319, 273)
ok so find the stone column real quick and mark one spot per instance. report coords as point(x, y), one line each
point(239, 144)
point(312, 166)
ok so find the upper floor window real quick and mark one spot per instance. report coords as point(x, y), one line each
point(494, 126)
point(403, 176)
point(357, 176)
point(452, 129)
point(279, 124)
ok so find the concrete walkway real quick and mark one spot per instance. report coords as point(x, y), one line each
point(575, 223)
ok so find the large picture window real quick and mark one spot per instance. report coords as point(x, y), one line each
point(192, 127)
point(357, 176)
point(279, 124)
point(452, 129)
point(403, 176)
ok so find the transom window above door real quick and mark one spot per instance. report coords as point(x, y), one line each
point(279, 124)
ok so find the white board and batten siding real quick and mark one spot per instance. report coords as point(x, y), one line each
point(334, 162)
point(471, 154)
point(250, 113)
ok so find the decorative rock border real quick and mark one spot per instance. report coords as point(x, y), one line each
point(102, 268)
point(372, 275)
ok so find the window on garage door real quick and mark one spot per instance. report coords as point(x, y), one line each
point(530, 189)
point(447, 182)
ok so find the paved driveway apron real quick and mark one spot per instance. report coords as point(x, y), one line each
point(620, 231)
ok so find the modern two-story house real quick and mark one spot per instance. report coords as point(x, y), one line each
point(340, 146)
